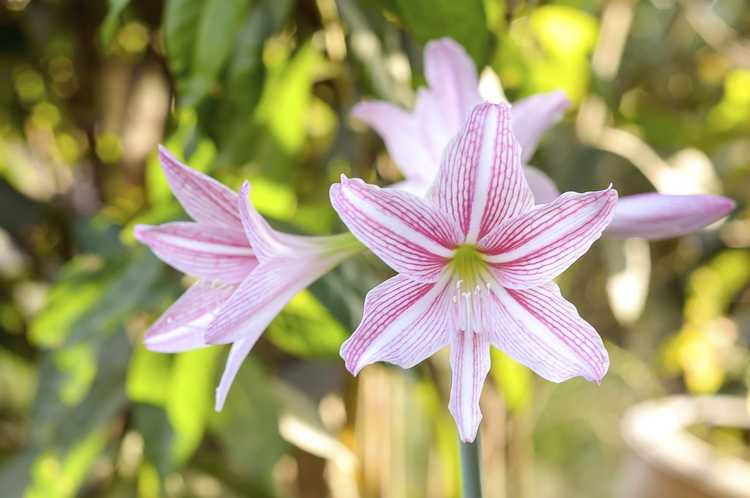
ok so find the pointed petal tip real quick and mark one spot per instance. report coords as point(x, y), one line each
point(467, 430)
point(221, 398)
point(166, 158)
point(140, 231)
point(245, 189)
point(350, 363)
point(362, 110)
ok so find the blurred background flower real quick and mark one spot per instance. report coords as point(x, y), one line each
point(263, 89)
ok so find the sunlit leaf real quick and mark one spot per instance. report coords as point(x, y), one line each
point(149, 376)
point(111, 22)
point(513, 379)
point(191, 398)
point(59, 476)
point(252, 402)
point(464, 21)
point(305, 328)
point(211, 51)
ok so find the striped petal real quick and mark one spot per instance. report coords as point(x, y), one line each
point(540, 329)
point(265, 292)
point(403, 138)
point(406, 232)
point(537, 246)
point(268, 243)
point(404, 322)
point(541, 185)
point(183, 325)
point(237, 355)
point(534, 115)
point(203, 251)
point(202, 197)
point(258, 300)
point(452, 93)
point(481, 181)
point(657, 216)
point(470, 363)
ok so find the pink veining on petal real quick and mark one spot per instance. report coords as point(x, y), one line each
point(407, 233)
point(481, 181)
point(183, 325)
point(238, 353)
point(285, 270)
point(470, 363)
point(658, 216)
point(203, 198)
point(534, 248)
point(204, 251)
point(542, 330)
point(404, 322)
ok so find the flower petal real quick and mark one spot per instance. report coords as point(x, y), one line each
point(202, 197)
point(406, 232)
point(470, 363)
point(237, 355)
point(535, 247)
point(403, 138)
point(657, 216)
point(204, 251)
point(257, 301)
point(534, 115)
point(265, 292)
point(542, 330)
point(268, 243)
point(481, 182)
point(183, 325)
point(541, 185)
point(452, 78)
point(404, 322)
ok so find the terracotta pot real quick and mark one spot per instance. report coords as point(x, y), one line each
point(666, 461)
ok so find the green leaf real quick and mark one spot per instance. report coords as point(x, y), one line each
point(513, 379)
point(306, 328)
point(463, 21)
point(246, 72)
point(217, 28)
point(149, 376)
point(60, 476)
point(112, 21)
point(181, 19)
point(248, 425)
point(158, 436)
point(276, 135)
point(191, 398)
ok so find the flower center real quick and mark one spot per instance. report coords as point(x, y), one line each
point(472, 290)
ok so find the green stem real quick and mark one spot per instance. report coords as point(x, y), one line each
point(470, 475)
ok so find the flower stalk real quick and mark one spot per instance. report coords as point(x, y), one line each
point(471, 479)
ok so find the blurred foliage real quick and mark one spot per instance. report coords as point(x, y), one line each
point(261, 89)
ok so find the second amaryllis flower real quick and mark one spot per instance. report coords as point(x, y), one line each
point(416, 140)
point(476, 261)
point(247, 271)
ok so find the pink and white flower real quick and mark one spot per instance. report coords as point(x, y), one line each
point(246, 271)
point(416, 140)
point(475, 262)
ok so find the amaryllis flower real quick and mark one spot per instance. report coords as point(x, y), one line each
point(246, 271)
point(475, 262)
point(415, 141)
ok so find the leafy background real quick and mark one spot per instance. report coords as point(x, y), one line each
point(262, 89)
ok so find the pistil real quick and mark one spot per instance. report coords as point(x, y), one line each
point(472, 289)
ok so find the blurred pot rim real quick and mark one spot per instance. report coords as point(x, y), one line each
point(656, 431)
